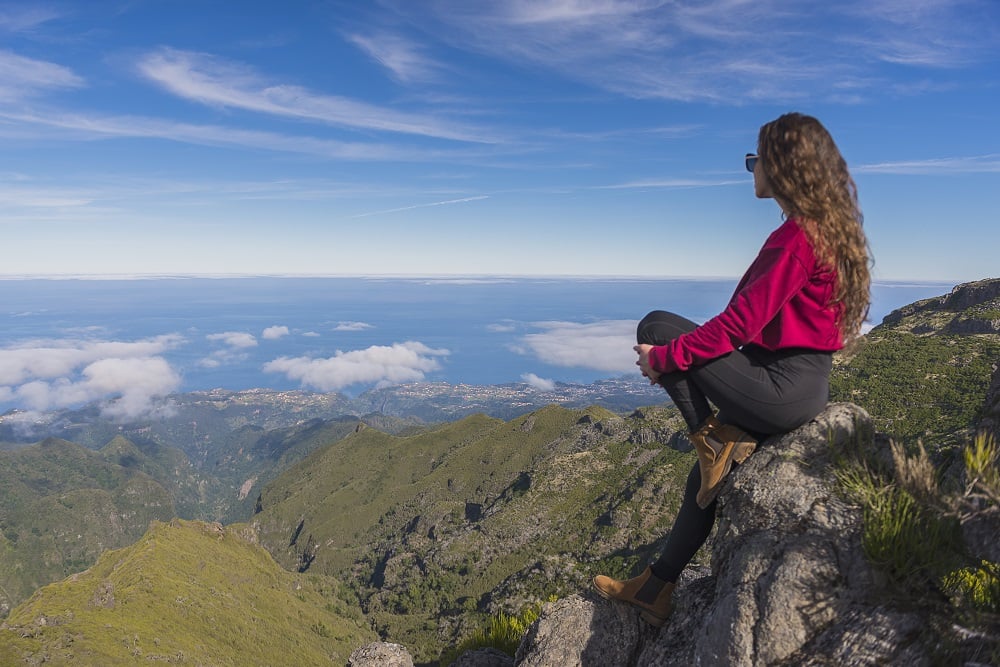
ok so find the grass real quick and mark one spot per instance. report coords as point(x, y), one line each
point(187, 592)
point(501, 631)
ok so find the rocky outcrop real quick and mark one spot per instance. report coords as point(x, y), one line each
point(788, 585)
point(969, 309)
point(380, 654)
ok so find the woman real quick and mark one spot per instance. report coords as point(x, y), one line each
point(765, 361)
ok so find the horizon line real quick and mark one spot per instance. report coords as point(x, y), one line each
point(450, 277)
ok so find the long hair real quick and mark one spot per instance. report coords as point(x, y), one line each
point(808, 174)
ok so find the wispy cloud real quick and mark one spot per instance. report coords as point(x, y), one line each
point(84, 126)
point(979, 164)
point(410, 208)
point(26, 17)
point(673, 183)
point(604, 346)
point(22, 77)
point(403, 58)
point(714, 50)
point(210, 80)
point(380, 365)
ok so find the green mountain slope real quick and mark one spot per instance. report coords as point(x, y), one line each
point(61, 505)
point(477, 515)
point(924, 372)
point(187, 593)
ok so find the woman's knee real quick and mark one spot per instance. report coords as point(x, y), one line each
point(659, 327)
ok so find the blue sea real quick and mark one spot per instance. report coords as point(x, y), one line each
point(68, 341)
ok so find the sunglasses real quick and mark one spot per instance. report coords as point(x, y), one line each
point(751, 162)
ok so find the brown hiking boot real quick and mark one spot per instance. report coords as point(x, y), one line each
point(647, 592)
point(719, 446)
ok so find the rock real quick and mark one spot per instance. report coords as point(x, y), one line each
point(380, 654)
point(581, 631)
point(789, 583)
point(484, 657)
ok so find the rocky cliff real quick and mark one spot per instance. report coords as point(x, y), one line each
point(788, 583)
point(970, 308)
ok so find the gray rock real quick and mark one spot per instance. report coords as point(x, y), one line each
point(484, 657)
point(380, 654)
point(582, 631)
point(789, 584)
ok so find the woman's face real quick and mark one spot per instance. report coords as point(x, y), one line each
point(761, 186)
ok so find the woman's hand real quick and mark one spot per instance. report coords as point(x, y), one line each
point(643, 363)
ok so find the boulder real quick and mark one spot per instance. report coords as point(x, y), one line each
point(380, 654)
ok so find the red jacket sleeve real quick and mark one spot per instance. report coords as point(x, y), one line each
point(775, 276)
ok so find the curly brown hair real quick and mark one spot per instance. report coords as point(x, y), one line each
point(809, 176)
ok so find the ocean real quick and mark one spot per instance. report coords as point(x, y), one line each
point(64, 342)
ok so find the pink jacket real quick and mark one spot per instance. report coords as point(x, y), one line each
point(782, 301)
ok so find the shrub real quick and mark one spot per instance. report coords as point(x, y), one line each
point(502, 632)
point(977, 588)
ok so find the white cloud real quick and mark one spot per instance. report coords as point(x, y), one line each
point(379, 364)
point(541, 384)
point(352, 326)
point(712, 50)
point(45, 360)
point(401, 57)
point(274, 333)
point(22, 77)
point(127, 376)
point(311, 334)
point(409, 208)
point(237, 339)
point(501, 328)
point(204, 78)
point(978, 164)
point(603, 346)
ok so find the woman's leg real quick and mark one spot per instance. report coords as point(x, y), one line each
point(758, 390)
point(766, 392)
point(691, 528)
point(659, 328)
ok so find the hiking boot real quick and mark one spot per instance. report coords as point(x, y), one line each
point(719, 446)
point(650, 594)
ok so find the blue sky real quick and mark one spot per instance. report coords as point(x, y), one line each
point(541, 137)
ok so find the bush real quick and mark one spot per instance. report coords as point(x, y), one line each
point(502, 632)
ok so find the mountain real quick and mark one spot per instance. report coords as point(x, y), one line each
point(432, 530)
point(61, 506)
point(924, 372)
point(188, 593)
point(478, 515)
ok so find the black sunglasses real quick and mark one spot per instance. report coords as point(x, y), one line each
point(751, 162)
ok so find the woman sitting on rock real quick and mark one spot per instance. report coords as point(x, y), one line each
point(765, 361)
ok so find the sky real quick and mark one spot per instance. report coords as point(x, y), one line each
point(475, 137)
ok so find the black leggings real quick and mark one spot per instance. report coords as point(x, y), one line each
point(762, 391)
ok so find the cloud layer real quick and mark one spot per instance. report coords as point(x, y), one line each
point(130, 377)
point(603, 346)
point(379, 364)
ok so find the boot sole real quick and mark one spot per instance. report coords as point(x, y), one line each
point(740, 453)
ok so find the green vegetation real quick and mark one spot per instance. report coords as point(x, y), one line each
point(61, 505)
point(478, 516)
point(976, 588)
point(188, 593)
point(502, 632)
point(919, 387)
point(911, 532)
